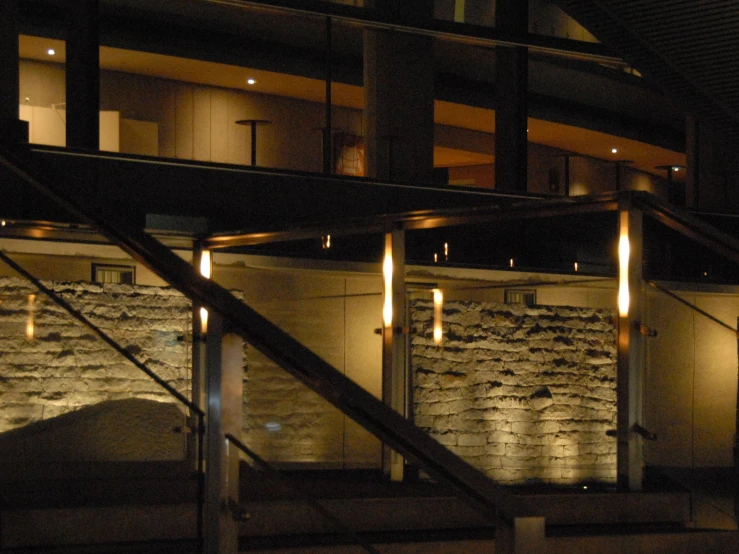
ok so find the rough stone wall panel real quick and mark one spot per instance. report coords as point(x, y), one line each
point(524, 393)
point(65, 366)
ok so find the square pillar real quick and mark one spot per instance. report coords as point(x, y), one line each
point(13, 131)
point(394, 343)
point(224, 391)
point(399, 106)
point(83, 75)
point(630, 369)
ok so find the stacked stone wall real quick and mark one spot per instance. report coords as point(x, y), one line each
point(64, 366)
point(526, 394)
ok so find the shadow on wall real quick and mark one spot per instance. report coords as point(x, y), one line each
point(115, 431)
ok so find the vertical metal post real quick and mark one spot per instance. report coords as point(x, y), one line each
point(83, 75)
point(196, 439)
point(394, 379)
point(253, 143)
point(327, 146)
point(224, 394)
point(630, 372)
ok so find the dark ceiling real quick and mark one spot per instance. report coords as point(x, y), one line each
point(689, 47)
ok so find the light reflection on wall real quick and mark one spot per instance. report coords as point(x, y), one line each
point(30, 321)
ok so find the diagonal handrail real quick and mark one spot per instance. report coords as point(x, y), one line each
point(284, 350)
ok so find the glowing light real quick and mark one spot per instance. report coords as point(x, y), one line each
point(510, 262)
point(51, 52)
point(436, 258)
point(387, 273)
point(29, 322)
point(251, 82)
point(2, 224)
point(206, 269)
point(438, 305)
point(676, 169)
point(326, 242)
point(446, 251)
point(576, 267)
point(624, 250)
point(614, 150)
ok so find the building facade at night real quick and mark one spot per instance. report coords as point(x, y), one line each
point(495, 154)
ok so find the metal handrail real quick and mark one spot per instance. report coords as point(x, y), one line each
point(384, 422)
point(293, 490)
point(76, 314)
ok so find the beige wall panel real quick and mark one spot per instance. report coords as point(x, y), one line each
point(668, 407)
point(201, 124)
point(139, 137)
point(184, 121)
point(238, 145)
point(167, 118)
point(561, 296)
point(363, 364)
point(110, 131)
point(715, 381)
point(219, 125)
point(603, 298)
point(48, 126)
point(42, 83)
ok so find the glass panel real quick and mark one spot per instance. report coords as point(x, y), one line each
point(61, 381)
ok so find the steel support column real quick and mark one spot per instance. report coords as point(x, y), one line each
point(83, 75)
point(630, 372)
point(511, 104)
point(394, 359)
point(224, 385)
point(13, 131)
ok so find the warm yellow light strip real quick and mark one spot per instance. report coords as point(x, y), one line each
point(438, 305)
point(206, 269)
point(30, 330)
point(624, 250)
point(387, 274)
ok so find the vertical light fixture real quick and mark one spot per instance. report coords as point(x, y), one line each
point(30, 332)
point(510, 262)
point(446, 251)
point(438, 305)
point(387, 274)
point(624, 250)
point(206, 269)
point(577, 268)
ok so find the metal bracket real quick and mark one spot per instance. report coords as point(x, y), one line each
point(639, 430)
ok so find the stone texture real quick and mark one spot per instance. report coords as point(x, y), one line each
point(65, 366)
point(525, 393)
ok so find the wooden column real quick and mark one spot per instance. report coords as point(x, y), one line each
point(224, 415)
point(511, 105)
point(83, 74)
point(394, 359)
point(13, 131)
point(630, 372)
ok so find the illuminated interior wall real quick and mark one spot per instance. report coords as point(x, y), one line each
point(526, 394)
point(691, 388)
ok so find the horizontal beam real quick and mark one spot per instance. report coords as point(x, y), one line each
point(426, 219)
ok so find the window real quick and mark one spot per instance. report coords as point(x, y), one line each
point(520, 296)
point(110, 273)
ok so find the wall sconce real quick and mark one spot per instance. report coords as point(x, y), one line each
point(326, 242)
point(438, 305)
point(206, 269)
point(624, 250)
point(30, 332)
point(387, 274)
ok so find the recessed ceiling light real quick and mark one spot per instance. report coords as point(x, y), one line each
point(251, 81)
point(614, 150)
point(51, 52)
point(676, 168)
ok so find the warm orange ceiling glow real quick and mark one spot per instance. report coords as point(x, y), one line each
point(573, 139)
